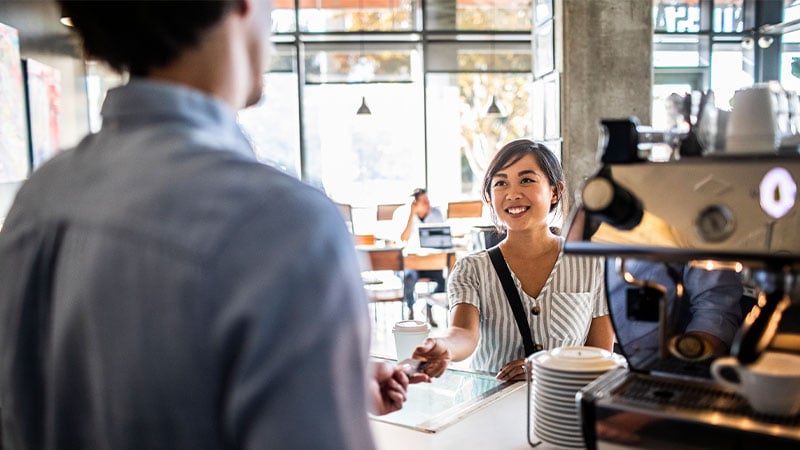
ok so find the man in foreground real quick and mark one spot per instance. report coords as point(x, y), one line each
point(160, 288)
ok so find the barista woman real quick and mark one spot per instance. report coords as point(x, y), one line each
point(563, 296)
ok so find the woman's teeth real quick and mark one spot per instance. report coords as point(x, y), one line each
point(517, 210)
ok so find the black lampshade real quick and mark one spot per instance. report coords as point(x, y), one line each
point(363, 109)
point(494, 108)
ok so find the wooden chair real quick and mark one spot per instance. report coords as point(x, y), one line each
point(443, 261)
point(383, 279)
point(364, 239)
point(471, 208)
point(347, 214)
point(385, 212)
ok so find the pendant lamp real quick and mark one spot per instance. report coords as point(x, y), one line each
point(363, 109)
point(493, 109)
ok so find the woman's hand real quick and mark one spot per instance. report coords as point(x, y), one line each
point(435, 353)
point(513, 371)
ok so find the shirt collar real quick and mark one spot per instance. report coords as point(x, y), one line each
point(148, 100)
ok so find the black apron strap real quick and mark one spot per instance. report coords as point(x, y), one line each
point(512, 295)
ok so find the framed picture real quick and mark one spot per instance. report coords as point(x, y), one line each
point(44, 104)
point(14, 130)
point(543, 49)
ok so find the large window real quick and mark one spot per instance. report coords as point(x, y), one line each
point(463, 134)
point(427, 77)
point(273, 126)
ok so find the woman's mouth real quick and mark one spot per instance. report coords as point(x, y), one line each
point(516, 210)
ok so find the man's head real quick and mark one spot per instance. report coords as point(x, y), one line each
point(150, 35)
point(422, 205)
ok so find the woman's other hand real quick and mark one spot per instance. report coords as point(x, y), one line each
point(513, 371)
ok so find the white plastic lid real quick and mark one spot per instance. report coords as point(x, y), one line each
point(411, 326)
point(578, 359)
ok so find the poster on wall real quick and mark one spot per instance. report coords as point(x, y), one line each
point(44, 106)
point(13, 117)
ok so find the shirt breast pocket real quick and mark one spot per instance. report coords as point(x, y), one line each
point(570, 317)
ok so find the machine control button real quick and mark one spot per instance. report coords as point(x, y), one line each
point(715, 223)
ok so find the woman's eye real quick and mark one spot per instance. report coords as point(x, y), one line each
point(528, 180)
point(499, 183)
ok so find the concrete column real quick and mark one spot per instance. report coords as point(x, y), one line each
point(606, 72)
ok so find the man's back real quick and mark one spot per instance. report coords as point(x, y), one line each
point(166, 291)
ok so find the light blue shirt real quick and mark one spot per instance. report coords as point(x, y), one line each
point(712, 304)
point(400, 220)
point(162, 289)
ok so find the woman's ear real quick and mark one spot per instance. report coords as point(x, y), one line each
point(558, 190)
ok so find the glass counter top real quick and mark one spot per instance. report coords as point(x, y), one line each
point(431, 407)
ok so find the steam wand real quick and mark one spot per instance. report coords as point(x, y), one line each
point(761, 323)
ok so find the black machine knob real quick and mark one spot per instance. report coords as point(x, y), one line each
point(611, 203)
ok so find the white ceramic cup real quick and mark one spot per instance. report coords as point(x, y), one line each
point(753, 125)
point(771, 385)
point(408, 335)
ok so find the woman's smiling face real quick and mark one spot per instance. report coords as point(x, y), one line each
point(522, 194)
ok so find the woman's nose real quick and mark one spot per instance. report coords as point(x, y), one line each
point(513, 193)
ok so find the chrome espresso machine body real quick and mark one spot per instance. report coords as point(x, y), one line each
point(709, 209)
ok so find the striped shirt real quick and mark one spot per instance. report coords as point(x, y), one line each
point(573, 294)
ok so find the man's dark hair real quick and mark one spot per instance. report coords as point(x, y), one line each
point(137, 36)
point(417, 192)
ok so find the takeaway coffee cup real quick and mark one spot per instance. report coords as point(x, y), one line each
point(408, 335)
point(771, 385)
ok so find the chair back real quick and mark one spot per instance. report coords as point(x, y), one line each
point(431, 261)
point(471, 208)
point(385, 212)
point(385, 258)
point(347, 214)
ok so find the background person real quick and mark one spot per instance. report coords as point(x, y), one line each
point(563, 295)
point(711, 310)
point(407, 219)
point(152, 297)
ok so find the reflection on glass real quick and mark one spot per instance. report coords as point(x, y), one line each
point(674, 317)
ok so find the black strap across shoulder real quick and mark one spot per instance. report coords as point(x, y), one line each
point(514, 300)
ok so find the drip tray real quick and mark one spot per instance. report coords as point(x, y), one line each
point(661, 393)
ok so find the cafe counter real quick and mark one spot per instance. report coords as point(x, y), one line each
point(499, 424)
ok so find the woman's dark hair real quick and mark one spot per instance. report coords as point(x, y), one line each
point(516, 150)
point(137, 36)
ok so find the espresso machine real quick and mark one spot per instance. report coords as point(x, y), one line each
point(701, 207)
